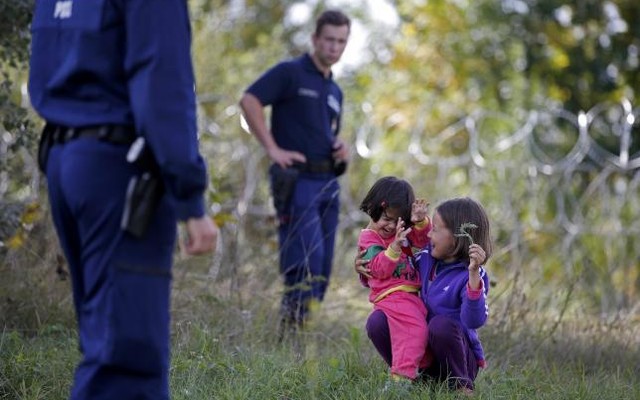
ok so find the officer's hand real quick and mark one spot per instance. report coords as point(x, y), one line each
point(285, 158)
point(340, 150)
point(202, 235)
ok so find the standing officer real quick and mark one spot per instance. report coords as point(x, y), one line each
point(104, 73)
point(307, 157)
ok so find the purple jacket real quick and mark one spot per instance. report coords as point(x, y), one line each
point(445, 292)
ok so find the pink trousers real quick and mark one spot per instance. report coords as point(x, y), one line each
point(407, 318)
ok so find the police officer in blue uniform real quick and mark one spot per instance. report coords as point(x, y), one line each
point(103, 74)
point(307, 156)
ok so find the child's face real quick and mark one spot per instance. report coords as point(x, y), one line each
point(386, 225)
point(442, 240)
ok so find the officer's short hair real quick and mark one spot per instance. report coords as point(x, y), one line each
point(332, 17)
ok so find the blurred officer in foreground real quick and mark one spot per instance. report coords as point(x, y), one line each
point(114, 81)
point(307, 157)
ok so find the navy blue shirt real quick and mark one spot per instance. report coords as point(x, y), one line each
point(306, 107)
point(123, 62)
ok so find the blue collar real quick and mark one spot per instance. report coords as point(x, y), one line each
point(309, 65)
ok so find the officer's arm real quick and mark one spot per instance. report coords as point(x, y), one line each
point(253, 112)
point(161, 91)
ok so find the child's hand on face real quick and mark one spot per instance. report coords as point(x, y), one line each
point(419, 210)
point(401, 235)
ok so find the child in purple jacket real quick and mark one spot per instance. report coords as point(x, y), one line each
point(454, 290)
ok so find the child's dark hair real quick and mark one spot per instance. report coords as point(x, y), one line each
point(458, 211)
point(389, 192)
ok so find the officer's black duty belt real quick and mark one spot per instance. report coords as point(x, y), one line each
point(315, 167)
point(116, 134)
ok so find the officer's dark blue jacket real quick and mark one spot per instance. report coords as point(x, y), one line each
point(306, 107)
point(123, 62)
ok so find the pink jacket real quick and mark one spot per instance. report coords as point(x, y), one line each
point(391, 271)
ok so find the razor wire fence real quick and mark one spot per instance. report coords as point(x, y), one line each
point(561, 189)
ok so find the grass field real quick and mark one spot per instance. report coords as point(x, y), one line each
point(233, 355)
point(224, 341)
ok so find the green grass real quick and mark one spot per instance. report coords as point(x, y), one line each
point(37, 367)
point(334, 360)
point(224, 341)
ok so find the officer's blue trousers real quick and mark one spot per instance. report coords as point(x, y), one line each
point(121, 285)
point(307, 241)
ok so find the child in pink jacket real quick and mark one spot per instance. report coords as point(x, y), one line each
point(398, 223)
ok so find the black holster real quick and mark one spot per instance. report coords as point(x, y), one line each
point(283, 184)
point(144, 191)
point(339, 167)
point(46, 143)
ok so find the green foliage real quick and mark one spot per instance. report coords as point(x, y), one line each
point(15, 17)
point(17, 132)
point(579, 52)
